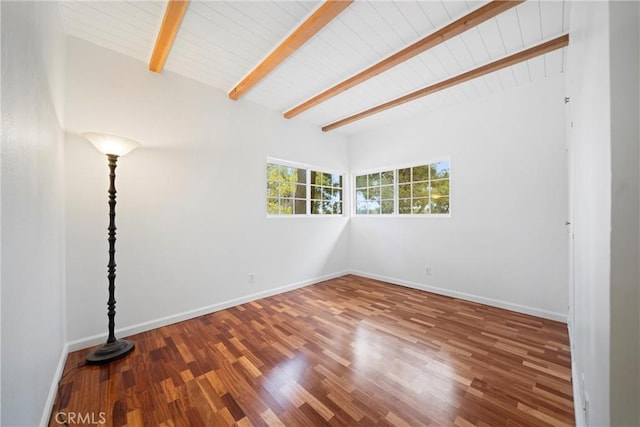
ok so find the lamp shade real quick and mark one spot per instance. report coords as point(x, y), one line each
point(111, 144)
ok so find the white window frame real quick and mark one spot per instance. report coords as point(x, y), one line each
point(309, 168)
point(396, 198)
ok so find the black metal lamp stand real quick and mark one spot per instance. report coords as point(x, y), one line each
point(114, 348)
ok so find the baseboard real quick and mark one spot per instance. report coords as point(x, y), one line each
point(468, 297)
point(53, 390)
point(175, 318)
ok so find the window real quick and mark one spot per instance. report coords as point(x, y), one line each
point(299, 190)
point(416, 190)
point(286, 190)
point(326, 193)
point(424, 189)
point(374, 193)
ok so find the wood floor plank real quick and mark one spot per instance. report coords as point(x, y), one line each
point(349, 351)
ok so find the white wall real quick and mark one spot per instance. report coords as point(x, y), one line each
point(603, 81)
point(33, 331)
point(191, 201)
point(508, 202)
point(590, 142)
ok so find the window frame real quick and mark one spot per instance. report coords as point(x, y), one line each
point(308, 199)
point(396, 196)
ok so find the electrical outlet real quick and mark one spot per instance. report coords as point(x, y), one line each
point(428, 271)
point(251, 277)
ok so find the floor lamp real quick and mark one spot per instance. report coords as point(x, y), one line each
point(114, 147)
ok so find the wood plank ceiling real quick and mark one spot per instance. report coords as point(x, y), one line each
point(220, 42)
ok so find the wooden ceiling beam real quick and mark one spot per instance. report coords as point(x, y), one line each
point(451, 30)
point(532, 52)
point(171, 21)
point(314, 23)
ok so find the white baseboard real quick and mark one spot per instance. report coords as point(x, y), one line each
point(468, 297)
point(53, 390)
point(190, 314)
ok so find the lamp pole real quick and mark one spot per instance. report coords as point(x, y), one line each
point(111, 267)
point(114, 348)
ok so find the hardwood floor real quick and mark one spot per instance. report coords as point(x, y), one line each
point(349, 351)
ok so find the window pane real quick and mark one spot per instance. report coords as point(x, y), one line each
point(440, 205)
point(374, 179)
point(287, 189)
point(404, 191)
point(361, 181)
point(404, 175)
point(316, 192)
point(361, 208)
point(386, 192)
point(300, 206)
point(272, 206)
point(316, 207)
point(272, 172)
point(320, 178)
point(421, 189)
point(323, 178)
point(272, 189)
point(361, 195)
point(420, 206)
point(288, 174)
point(301, 175)
point(387, 206)
point(373, 208)
point(373, 193)
point(420, 173)
point(404, 206)
point(440, 170)
point(286, 207)
point(386, 178)
point(301, 191)
point(439, 188)
point(327, 193)
point(337, 208)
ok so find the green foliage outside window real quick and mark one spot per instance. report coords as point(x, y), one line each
point(421, 189)
point(375, 193)
point(287, 191)
point(326, 193)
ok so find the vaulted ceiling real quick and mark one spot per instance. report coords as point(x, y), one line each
point(221, 42)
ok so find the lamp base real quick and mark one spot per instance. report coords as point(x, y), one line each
point(110, 351)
